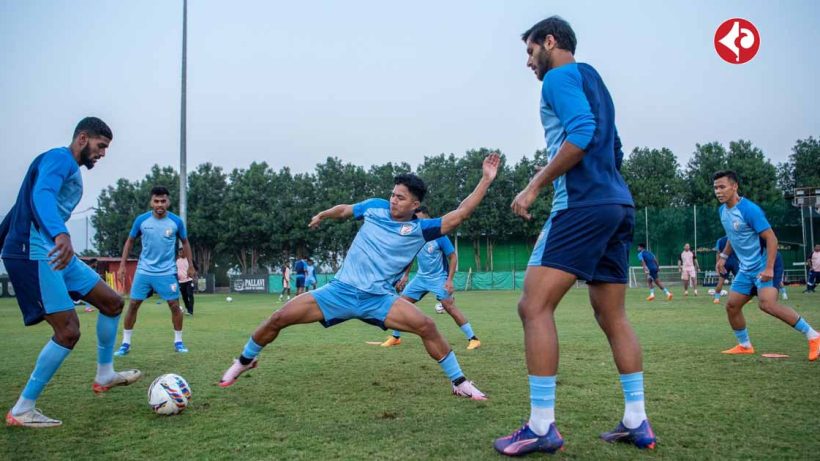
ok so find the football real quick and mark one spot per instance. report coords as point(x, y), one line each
point(439, 308)
point(229, 299)
point(711, 291)
point(169, 394)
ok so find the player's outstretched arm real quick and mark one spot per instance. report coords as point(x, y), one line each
point(453, 219)
point(337, 212)
point(568, 156)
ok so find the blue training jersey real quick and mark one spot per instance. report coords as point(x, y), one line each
point(647, 257)
point(300, 267)
point(51, 189)
point(743, 224)
point(383, 247)
point(433, 258)
point(731, 261)
point(311, 271)
point(159, 242)
point(576, 107)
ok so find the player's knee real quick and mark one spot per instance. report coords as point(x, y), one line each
point(116, 305)
point(767, 306)
point(68, 336)
point(527, 309)
point(427, 327)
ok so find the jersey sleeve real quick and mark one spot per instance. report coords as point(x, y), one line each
point(756, 219)
point(563, 91)
point(4, 227)
point(182, 231)
point(136, 231)
point(640, 257)
point(445, 245)
point(361, 207)
point(53, 170)
point(619, 153)
point(430, 228)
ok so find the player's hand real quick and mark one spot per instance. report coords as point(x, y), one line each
point(401, 283)
point(314, 221)
point(522, 202)
point(448, 285)
point(191, 272)
point(490, 166)
point(719, 266)
point(62, 252)
point(121, 273)
point(767, 275)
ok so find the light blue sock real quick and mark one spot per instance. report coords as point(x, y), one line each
point(251, 349)
point(49, 360)
point(665, 290)
point(634, 409)
point(397, 333)
point(450, 366)
point(743, 337)
point(717, 294)
point(106, 337)
point(803, 327)
point(542, 403)
point(468, 330)
point(542, 391)
point(651, 292)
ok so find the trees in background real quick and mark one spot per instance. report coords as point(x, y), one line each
point(256, 218)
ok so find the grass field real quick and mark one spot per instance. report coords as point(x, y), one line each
point(324, 394)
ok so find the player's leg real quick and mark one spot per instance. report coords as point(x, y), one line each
point(693, 279)
point(448, 302)
point(140, 290)
point(740, 294)
point(110, 305)
point(413, 292)
point(719, 287)
point(167, 287)
point(42, 295)
point(405, 316)
point(767, 298)
point(301, 309)
point(650, 283)
point(685, 278)
point(608, 301)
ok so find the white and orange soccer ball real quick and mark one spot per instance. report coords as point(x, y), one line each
point(169, 394)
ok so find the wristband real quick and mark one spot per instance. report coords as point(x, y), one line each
point(724, 256)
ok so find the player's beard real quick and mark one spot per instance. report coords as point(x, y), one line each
point(544, 63)
point(85, 157)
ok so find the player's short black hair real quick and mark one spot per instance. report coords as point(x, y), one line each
point(94, 127)
point(555, 26)
point(422, 209)
point(413, 183)
point(726, 174)
point(159, 190)
point(641, 245)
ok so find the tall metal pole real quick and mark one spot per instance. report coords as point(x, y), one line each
point(646, 226)
point(695, 214)
point(183, 160)
point(803, 229)
point(811, 226)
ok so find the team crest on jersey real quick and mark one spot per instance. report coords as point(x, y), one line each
point(431, 247)
point(406, 229)
point(736, 224)
point(169, 232)
point(174, 287)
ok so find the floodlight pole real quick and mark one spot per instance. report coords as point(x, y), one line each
point(803, 229)
point(183, 161)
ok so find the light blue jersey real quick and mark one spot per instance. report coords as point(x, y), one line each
point(159, 242)
point(743, 224)
point(383, 247)
point(311, 271)
point(51, 189)
point(432, 258)
point(576, 107)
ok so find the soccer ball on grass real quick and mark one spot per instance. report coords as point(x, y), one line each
point(169, 394)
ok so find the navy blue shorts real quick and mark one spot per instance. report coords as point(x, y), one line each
point(729, 269)
point(300, 281)
point(653, 274)
point(41, 290)
point(591, 242)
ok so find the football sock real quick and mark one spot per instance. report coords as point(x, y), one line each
point(250, 352)
point(396, 334)
point(468, 330)
point(743, 337)
point(803, 327)
point(542, 403)
point(49, 360)
point(451, 367)
point(126, 336)
point(106, 336)
point(634, 410)
point(177, 336)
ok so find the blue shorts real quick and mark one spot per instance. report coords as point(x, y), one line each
point(653, 274)
point(300, 281)
point(166, 286)
point(41, 290)
point(590, 242)
point(420, 286)
point(310, 281)
point(339, 301)
point(747, 283)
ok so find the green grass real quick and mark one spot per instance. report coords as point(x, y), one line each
point(324, 394)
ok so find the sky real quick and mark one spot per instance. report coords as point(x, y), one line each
point(291, 83)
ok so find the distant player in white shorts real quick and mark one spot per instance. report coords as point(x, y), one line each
point(688, 267)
